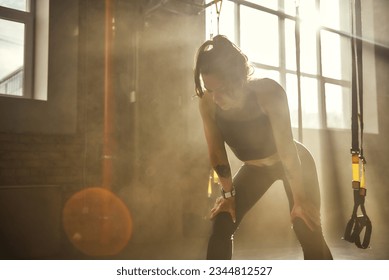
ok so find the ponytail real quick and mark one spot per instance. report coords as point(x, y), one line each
point(223, 58)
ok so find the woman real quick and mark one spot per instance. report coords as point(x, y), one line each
point(252, 117)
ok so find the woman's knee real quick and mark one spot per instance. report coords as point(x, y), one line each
point(312, 242)
point(223, 226)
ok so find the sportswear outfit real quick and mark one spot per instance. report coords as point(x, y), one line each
point(250, 139)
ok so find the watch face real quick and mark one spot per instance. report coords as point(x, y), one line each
point(228, 194)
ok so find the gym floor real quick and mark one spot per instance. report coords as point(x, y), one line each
point(286, 248)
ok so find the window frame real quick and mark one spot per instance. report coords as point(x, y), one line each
point(28, 19)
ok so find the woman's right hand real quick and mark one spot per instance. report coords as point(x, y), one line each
point(224, 205)
point(308, 213)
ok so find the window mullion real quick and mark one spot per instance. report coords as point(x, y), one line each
point(281, 24)
point(237, 23)
point(282, 46)
point(29, 50)
point(321, 85)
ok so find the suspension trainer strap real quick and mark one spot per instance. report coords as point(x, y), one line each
point(218, 11)
point(218, 7)
point(357, 224)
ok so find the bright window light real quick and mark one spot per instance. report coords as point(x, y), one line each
point(259, 36)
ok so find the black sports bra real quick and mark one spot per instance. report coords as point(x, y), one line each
point(248, 139)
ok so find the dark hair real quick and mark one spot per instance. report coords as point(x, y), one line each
point(223, 58)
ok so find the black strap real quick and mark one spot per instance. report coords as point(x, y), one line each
point(357, 79)
point(357, 224)
point(218, 11)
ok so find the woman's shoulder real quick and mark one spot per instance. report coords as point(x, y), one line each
point(263, 84)
point(206, 105)
point(268, 93)
point(265, 87)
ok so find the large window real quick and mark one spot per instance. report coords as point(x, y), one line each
point(16, 47)
point(265, 30)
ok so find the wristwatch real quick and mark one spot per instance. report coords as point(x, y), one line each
point(228, 194)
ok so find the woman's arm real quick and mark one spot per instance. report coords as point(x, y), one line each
point(217, 155)
point(216, 149)
point(273, 100)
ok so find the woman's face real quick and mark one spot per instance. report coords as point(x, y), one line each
point(223, 95)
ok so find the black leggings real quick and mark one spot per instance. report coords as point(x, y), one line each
point(251, 183)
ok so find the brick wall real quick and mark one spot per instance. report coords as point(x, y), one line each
point(40, 159)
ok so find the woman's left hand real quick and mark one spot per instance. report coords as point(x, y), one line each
point(308, 213)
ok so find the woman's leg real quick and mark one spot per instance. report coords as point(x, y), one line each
point(251, 183)
point(312, 242)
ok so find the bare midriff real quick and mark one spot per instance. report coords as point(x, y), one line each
point(268, 161)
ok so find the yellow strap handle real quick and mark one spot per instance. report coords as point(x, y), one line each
point(355, 169)
point(358, 173)
point(213, 179)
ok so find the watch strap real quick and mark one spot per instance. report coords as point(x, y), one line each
point(228, 194)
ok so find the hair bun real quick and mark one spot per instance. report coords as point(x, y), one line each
point(220, 40)
point(222, 44)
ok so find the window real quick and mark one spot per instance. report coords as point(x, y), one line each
point(265, 31)
point(16, 47)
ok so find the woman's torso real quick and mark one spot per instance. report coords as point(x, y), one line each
point(247, 131)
